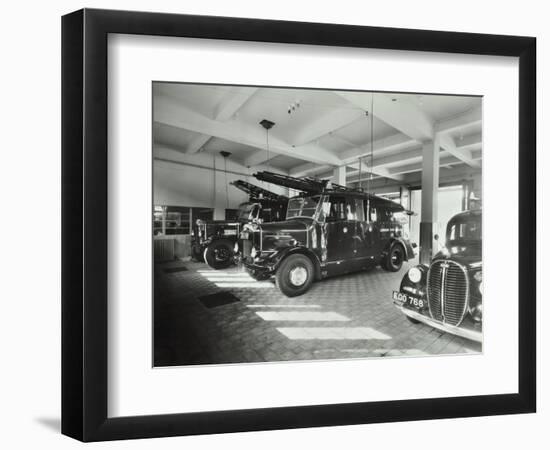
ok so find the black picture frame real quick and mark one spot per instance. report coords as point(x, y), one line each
point(84, 224)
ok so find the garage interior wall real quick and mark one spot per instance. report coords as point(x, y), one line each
point(183, 181)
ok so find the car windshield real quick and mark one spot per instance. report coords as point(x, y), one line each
point(465, 230)
point(302, 207)
point(247, 211)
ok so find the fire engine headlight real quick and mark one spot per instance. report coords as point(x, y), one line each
point(415, 275)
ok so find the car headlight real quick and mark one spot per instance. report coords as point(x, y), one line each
point(477, 312)
point(478, 276)
point(199, 222)
point(415, 275)
point(236, 247)
point(253, 252)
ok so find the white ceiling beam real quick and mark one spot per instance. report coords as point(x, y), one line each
point(392, 143)
point(227, 108)
point(169, 112)
point(394, 159)
point(307, 169)
point(376, 170)
point(196, 144)
point(447, 143)
point(340, 138)
point(325, 124)
point(471, 143)
point(467, 119)
point(233, 102)
point(417, 167)
point(401, 114)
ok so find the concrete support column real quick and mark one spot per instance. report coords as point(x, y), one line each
point(339, 175)
point(430, 188)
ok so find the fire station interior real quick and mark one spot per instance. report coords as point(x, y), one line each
point(421, 151)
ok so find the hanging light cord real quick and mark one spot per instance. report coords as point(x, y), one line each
point(371, 141)
point(226, 189)
point(267, 151)
point(267, 148)
point(360, 181)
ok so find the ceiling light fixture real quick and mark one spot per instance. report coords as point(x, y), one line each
point(293, 106)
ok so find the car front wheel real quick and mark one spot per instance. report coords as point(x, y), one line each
point(295, 275)
point(219, 254)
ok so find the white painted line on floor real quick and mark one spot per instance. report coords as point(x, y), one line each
point(298, 316)
point(252, 284)
point(354, 333)
point(283, 306)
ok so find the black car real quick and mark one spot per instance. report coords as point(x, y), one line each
point(329, 230)
point(447, 294)
point(214, 240)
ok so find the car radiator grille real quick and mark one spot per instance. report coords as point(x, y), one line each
point(448, 290)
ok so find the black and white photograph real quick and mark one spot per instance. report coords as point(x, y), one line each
point(299, 224)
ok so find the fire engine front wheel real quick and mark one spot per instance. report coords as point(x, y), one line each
point(394, 259)
point(219, 254)
point(295, 275)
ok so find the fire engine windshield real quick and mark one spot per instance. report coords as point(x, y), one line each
point(302, 207)
point(247, 212)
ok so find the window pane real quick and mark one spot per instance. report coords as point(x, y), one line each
point(359, 209)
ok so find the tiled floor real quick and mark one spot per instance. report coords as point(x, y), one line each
point(350, 316)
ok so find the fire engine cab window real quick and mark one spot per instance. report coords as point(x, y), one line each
point(302, 207)
point(337, 209)
point(359, 210)
point(373, 216)
point(343, 209)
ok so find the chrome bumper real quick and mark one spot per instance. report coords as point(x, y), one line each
point(457, 331)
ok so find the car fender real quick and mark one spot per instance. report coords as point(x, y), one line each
point(421, 285)
point(409, 251)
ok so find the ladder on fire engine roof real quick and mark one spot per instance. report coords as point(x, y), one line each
point(257, 193)
point(306, 184)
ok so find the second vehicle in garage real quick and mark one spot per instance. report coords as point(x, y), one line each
point(214, 240)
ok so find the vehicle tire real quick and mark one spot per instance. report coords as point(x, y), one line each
point(394, 259)
point(197, 254)
point(295, 275)
point(219, 254)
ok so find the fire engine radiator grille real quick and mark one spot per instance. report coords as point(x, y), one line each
point(448, 290)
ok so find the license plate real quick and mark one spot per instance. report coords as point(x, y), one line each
point(409, 299)
point(229, 232)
